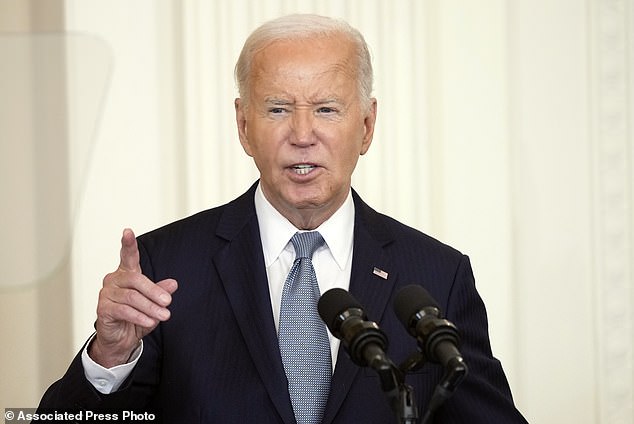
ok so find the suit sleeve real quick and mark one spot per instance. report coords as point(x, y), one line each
point(74, 392)
point(484, 396)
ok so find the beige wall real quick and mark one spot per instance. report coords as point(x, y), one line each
point(35, 319)
point(503, 130)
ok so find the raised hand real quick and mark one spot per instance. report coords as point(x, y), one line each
point(130, 306)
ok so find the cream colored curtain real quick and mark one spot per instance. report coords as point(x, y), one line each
point(504, 129)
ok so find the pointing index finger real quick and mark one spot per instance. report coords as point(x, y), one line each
point(129, 252)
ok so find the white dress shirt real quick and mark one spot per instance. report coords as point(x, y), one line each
point(332, 263)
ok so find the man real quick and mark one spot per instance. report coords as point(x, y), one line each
point(214, 351)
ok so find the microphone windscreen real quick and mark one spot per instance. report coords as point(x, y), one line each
point(334, 302)
point(410, 300)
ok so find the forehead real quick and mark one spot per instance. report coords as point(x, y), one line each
point(322, 62)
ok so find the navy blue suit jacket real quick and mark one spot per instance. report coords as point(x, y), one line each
point(217, 359)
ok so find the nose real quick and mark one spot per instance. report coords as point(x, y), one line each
point(302, 127)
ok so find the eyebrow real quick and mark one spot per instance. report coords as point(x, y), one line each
point(276, 101)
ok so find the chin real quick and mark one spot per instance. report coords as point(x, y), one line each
point(304, 198)
point(305, 202)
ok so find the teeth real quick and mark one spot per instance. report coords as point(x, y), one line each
point(303, 169)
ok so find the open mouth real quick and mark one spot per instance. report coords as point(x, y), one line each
point(303, 169)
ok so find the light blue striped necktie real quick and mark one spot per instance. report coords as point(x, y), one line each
point(303, 337)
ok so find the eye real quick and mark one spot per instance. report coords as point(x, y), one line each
point(326, 110)
point(277, 110)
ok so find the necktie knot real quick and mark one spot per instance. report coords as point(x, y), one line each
point(306, 244)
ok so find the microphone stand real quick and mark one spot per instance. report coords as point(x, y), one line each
point(367, 349)
point(400, 395)
point(456, 371)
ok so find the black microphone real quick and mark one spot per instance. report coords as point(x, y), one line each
point(363, 340)
point(366, 345)
point(438, 338)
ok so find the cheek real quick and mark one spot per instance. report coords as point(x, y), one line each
point(345, 161)
point(270, 132)
point(356, 148)
point(265, 148)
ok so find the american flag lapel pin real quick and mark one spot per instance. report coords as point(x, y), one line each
point(379, 272)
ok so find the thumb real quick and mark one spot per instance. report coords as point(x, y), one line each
point(129, 252)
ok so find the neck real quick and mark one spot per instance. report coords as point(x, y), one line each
point(307, 220)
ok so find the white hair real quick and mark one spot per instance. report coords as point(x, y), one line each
point(302, 26)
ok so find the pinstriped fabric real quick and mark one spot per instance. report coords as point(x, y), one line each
point(302, 335)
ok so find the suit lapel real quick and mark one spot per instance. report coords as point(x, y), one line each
point(370, 285)
point(241, 267)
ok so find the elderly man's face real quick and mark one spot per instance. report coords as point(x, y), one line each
point(304, 125)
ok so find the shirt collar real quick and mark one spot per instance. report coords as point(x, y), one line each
point(276, 231)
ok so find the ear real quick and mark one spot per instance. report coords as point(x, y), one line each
point(368, 124)
point(241, 122)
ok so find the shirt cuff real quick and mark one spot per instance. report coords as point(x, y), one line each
point(108, 380)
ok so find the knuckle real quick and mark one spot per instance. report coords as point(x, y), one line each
point(108, 279)
point(130, 297)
